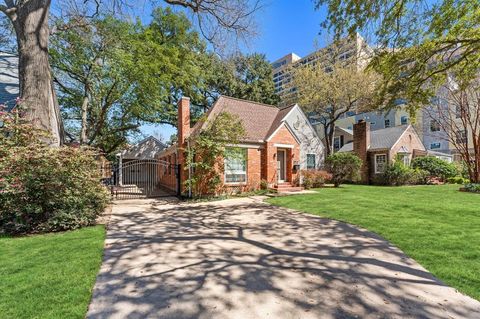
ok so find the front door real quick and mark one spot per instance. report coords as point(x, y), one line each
point(281, 157)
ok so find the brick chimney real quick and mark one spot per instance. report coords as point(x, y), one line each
point(183, 126)
point(361, 142)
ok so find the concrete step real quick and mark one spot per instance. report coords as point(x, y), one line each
point(288, 189)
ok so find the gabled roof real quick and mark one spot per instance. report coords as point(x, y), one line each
point(345, 130)
point(149, 148)
point(260, 120)
point(381, 139)
point(9, 87)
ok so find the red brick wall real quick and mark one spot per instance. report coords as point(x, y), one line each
point(269, 163)
point(361, 141)
point(166, 175)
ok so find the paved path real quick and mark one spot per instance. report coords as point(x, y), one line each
point(245, 259)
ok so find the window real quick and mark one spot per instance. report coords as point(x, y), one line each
point(311, 161)
point(387, 123)
point(235, 165)
point(337, 142)
point(380, 163)
point(434, 146)
point(404, 158)
point(404, 120)
point(434, 126)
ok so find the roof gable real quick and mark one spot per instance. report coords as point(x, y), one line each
point(149, 148)
point(381, 139)
point(259, 120)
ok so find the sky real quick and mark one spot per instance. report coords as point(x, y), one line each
point(284, 26)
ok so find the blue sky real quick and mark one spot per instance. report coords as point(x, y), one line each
point(284, 26)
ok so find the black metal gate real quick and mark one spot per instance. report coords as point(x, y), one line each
point(149, 178)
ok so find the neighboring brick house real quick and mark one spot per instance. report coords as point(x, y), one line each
point(278, 143)
point(379, 148)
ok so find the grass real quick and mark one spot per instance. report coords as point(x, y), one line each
point(438, 226)
point(49, 276)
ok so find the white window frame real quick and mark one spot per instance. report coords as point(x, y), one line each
point(245, 150)
point(376, 162)
point(315, 161)
point(405, 158)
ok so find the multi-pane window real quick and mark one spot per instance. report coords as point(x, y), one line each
point(434, 146)
point(380, 163)
point(311, 161)
point(387, 123)
point(235, 165)
point(404, 120)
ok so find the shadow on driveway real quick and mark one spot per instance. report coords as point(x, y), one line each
point(246, 259)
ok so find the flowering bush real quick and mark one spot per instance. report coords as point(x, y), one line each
point(42, 188)
point(314, 178)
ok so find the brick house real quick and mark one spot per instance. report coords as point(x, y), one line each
point(379, 148)
point(278, 143)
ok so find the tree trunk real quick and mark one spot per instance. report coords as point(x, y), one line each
point(36, 85)
point(83, 132)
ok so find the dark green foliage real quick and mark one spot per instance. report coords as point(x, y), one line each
point(435, 167)
point(45, 189)
point(247, 77)
point(343, 167)
point(472, 188)
point(399, 174)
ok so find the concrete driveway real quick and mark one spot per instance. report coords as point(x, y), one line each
point(245, 259)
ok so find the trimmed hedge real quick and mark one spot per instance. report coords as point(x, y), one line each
point(435, 167)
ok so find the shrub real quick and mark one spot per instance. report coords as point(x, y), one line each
point(458, 180)
point(343, 167)
point(399, 174)
point(436, 167)
point(314, 178)
point(45, 189)
point(472, 188)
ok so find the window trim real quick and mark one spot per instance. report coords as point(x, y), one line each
point(245, 150)
point(386, 162)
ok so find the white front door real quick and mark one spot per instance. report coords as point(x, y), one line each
point(281, 157)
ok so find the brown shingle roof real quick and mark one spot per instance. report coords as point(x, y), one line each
point(260, 120)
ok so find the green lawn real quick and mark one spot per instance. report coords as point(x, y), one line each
point(49, 276)
point(436, 225)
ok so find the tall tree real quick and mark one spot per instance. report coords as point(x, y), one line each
point(241, 76)
point(30, 20)
point(332, 87)
point(113, 75)
point(418, 41)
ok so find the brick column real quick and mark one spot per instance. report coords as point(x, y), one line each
point(183, 131)
point(361, 142)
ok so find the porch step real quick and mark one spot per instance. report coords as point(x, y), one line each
point(286, 188)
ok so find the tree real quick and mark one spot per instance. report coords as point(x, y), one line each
point(417, 42)
point(456, 113)
point(343, 167)
point(204, 156)
point(113, 75)
point(30, 20)
point(241, 76)
point(332, 87)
